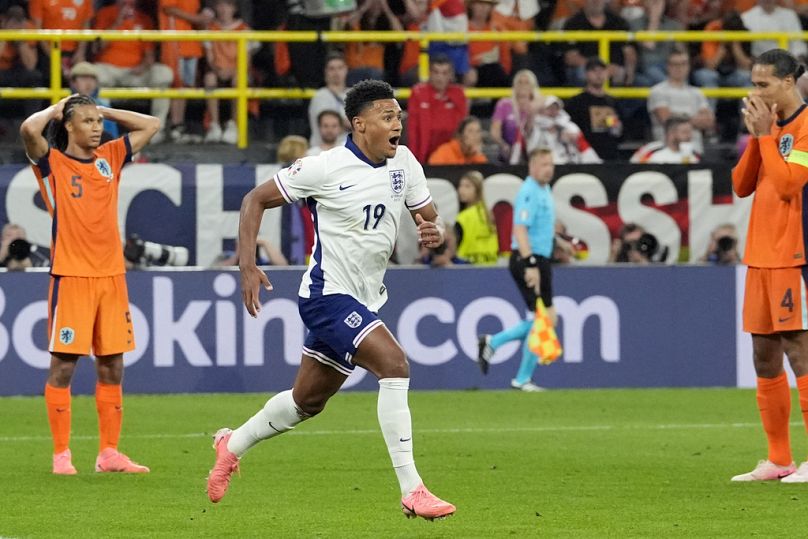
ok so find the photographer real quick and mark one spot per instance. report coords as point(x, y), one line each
point(636, 246)
point(16, 253)
point(723, 248)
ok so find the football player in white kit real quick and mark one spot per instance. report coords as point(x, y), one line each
point(356, 194)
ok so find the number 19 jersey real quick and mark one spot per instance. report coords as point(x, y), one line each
point(356, 206)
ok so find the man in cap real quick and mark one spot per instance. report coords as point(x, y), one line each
point(84, 80)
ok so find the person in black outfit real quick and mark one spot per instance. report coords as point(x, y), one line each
point(595, 112)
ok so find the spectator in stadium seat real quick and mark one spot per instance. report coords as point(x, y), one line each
point(435, 109)
point(767, 16)
point(291, 148)
point(490, 61)
point(475, 230)
point(674, 96)
point(553, 130)
point(331, 96)
point(514, 116)
point(415, 20)
point(677, 148)
point(532, 249)
point(63, 15)
point(87, 274)
point(84, 80)
point(131, 63)
point(724, 64)
point(221, 57)
point(365, 59)
point(595, 112)
point(465, 148)
point(449, 16)
point(773, 169)
point(330, 129)
point(653, 54)
point(516, 16)
point(181, 56)
point(622, 56)
point(18, 59)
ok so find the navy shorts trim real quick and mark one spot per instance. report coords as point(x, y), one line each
point(337, 325)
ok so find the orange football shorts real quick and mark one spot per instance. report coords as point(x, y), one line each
point(89, 315)
point(774, 300)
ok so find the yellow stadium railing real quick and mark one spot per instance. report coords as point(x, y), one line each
point(242, 92)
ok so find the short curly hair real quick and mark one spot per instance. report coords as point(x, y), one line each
point(363, 94)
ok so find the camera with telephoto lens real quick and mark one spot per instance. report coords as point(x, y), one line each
point(19, 249)
point(647, 246)
point(148, 253)
point(725, 244)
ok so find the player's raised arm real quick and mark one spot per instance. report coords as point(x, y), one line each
point(265, 196)
point(431, 231)
point(141, 127)
point(36, 145)
point(745, 173)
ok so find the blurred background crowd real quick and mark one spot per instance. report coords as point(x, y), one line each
point(677, 123)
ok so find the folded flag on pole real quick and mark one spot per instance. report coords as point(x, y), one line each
point(542, 339)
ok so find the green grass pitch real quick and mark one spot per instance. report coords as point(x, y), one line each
point(593, 463)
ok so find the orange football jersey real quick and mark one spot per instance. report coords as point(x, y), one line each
point(775, 168)
point(62, 15)
point(82, 197)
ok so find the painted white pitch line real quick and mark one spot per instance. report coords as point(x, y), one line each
point(472, 430)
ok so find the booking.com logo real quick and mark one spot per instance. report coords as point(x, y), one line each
point(213, 330)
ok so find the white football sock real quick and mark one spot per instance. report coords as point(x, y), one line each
point(396, 424)
point(278, 415)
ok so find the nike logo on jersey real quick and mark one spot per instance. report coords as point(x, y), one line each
point(405, 439)
point(344, 187)
point(786, 319)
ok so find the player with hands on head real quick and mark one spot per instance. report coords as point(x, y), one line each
point(88, 305)
point(356, 194)
point(774, 167)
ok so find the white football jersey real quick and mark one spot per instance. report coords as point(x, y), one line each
point(356, 207)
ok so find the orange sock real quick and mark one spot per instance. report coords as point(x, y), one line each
point(57, 400)
point(774, 402)
point(109, 403)
point(802, 387)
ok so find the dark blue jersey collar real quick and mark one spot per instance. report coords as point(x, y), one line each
point(351, 145)
point(781, 123)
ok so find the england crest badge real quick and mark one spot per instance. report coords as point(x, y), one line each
point(397, 181)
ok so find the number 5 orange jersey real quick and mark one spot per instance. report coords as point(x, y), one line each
point(775, 168)
point(81, 196)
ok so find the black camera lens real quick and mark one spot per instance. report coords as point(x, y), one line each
point(725, 243)
point(19, 249)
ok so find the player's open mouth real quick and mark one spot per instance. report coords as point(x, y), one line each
point(394, 141)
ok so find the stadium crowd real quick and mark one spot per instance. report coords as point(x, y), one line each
point(677, 123)
point(589, 128)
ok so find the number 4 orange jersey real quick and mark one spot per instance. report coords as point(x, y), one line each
point(82, 198)
point(775, 168)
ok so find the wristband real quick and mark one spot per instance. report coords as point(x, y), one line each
point(532, 261)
